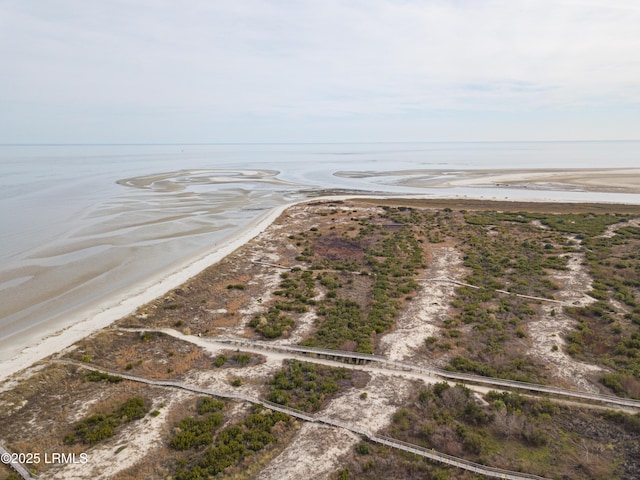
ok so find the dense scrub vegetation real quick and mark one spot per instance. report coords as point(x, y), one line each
point(608, 331)
point(95, 376)
point(373, 462)
point(210, 450)
point(236, 360)
point(101, 426)
point(513, 432)
point(362, 277)
point(506, 255)
point(505, 251)
point(356, 280)
point(307, 386)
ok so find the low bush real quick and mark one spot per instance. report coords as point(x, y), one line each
point(101, 426)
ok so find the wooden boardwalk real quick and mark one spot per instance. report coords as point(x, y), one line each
point(17, 466)
point(391, 442)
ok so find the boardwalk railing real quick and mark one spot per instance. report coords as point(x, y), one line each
point(445, 374)
point(306, 350)
point(391, 442)
point(17, 466)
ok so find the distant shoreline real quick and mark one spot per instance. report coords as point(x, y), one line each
point(588, 179)
point(607, 180)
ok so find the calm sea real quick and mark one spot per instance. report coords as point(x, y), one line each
point(73, 239)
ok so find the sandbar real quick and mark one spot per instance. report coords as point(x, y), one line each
point(612, 180)
point(600, 180)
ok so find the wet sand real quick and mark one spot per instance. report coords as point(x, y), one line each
point(153, 228)
point(103, 318)
point(626, 180)
point(98, 316)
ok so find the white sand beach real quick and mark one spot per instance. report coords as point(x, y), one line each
point(100, 316)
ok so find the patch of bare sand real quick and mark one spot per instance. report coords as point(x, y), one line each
point(309, 458)
point(303, 327)
point(548, 331)
point(384, 395)
point(424, 314)
point(252, 378)
point(306, 457)
point(138, 439)
point(539, 224)
point(612, 229)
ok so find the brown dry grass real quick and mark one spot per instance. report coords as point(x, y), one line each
point(204, 304)
point(56, 398)
point(153, 355)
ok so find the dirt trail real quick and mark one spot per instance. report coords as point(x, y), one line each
point(424, 314)
point(548, 331)
point(612, 229)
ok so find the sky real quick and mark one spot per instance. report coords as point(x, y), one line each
point(219, 71)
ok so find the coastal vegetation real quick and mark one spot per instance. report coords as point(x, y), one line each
point(208, 449)
point(355, 275)
point(608, 331)
point(505, 430)
point(307, 386)
point(236, 360)
point(101, 426)
point(153, 355)
point(355, 281)
point(95, 376)
point(342, 275)
point(511, 257)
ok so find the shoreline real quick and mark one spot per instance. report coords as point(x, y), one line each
point(61, 339)
point(605, 180)
point(64, 338)
point(592, 180)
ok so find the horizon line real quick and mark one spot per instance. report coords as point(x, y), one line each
point(124, 144)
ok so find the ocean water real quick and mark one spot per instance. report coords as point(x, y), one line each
point(83, 227)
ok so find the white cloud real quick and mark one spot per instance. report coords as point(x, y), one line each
point(330, 59)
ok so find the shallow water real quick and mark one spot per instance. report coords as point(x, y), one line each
point(85, 226)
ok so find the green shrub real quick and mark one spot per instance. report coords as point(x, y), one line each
point(95, 376)
point(241, 359)
point(233, 444)
point(132, 409)
point(100, 426)
point(193, 433)
point(209, 405)
point(306, 386)
point(363, 449)
point(612, 381)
